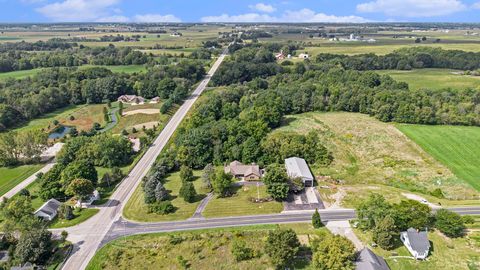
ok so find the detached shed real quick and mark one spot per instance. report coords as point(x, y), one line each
point(297, 167)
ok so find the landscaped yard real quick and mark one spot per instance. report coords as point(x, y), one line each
point(135, 117)
point(367, 151)
point(204, 249)
point(10, 177)
point(240, 205)
point(431, 78)
point(455, 146)
point(137, 210)
point(79, 217)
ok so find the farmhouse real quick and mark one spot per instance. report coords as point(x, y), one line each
point(241, 171)
point(131, 99)
point(155, 100)
point(95, 196)
point(48, 211)
point(297, 167)
point(367, 260)
point(416, 242)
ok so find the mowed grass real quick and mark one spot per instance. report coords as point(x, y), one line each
point(202, 249)
point(79, 217)
point(369, 152)
point(46, 120)
point(239, 203)
point(455, 146)
point(136, 208)
point(10, 177)
point(433, 78)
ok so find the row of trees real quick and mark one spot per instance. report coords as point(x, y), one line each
point(21, 147)
point(386, 220)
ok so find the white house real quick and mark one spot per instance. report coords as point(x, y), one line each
point(95, 196)
point(303, 56)
point(49, 210)
point(297, 167)
point(416, 242)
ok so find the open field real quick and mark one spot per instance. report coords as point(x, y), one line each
point(433, 78)
point(84, 117)
point(446, 253)
point(10, 177)
point(201, 249)
point(240, 205)
point(137, 210)
point(455, 146)
point(46, 120)
point(367, 151)
point(138, 120)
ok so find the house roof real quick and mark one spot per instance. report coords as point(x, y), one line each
point(297, 167)
point(418, 240)
point(367, 260)
point(50, 207)
point(238, 168)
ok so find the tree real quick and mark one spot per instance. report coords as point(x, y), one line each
point(278, 191)
point(240, 251)
point(162, 208)
point(79, 169)
point(411, 214)
point(385, 233)
point(316, 220)
point(282, 247)
point(276, 180)
point(161, 194)
point(64, 235)
point(34, 246)
point(120, 108)
point(221, 183)
point(186, 174)
point(149, 189)
point(208, 175)
point(449, 223)
point(371, 210)
point(334, 252)
point(187, 192)
point(66, 212)
point(24, 192)
point(17, 213)
point(80, 188)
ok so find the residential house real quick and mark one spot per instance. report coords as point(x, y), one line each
point(155, 100)
point(136, 144)
point(416, 242)
point(280, 56)
point(298, 168)
point(49, 210)
point(367, 260)
point(244, 172)
point(131, 99)
point(303, 56)
point(95, 196)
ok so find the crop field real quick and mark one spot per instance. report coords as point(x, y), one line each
point(457, 147)
point(10, 177)
point(433, 78)
point(137, 210)
point(198, 249)
point(367, 151)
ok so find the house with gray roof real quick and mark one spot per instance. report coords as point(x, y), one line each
point(416, 242)
point(49, 210)
point(367, 260)
point(298, 168)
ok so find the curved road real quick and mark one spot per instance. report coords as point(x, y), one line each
point(88, 235)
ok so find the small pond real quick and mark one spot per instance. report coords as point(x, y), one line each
point(59, 132)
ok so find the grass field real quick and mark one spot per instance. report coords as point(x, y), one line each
point(240, 205)
point(455, 146)
point(137, 210)
point(446, 253)
point(367, 151)
point(127, 122)
point(10, 177)
point(204, 249)
point(433, 78)
point(79, 217)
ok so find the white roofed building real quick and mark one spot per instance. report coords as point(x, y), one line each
point(297, 167)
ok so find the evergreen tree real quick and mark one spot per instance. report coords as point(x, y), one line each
point(316, 220)
point(187, 191)
point(385, 233)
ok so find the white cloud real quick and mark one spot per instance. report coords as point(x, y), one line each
point(77, 10)
point(114, 18)
point(476, 5)
point(412, 8)
point(156, 18)
point(263, 8)
point(303, 15)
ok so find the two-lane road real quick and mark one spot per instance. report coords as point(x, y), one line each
point(87, 236)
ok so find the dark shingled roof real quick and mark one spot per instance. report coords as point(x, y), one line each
point(50, 207)
point(418, 240)
point(367, 260)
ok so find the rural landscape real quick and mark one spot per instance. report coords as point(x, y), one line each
point(255, 141)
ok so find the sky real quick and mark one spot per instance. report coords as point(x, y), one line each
point(354, 11)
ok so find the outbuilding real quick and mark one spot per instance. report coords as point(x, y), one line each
point(298, 168)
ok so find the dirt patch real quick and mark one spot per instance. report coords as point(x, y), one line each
point(337, 199)
point(143, 111)
point(147, 125)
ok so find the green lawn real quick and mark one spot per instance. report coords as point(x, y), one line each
point(10, 177)
point(137, 210)
point(240, 205)
point(79, 217)
point(46, 120)
point(455, 146)
point(202, 249)
point(433, 78)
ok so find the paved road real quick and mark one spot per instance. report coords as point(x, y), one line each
point(26, 182)
point(87, 236)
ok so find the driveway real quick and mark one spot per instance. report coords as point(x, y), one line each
point(343, 228)
point(308, 199)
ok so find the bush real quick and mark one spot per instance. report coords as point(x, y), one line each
point(240, 251)
point(66, 212)
point(162, 208)
point(316, 220)
point(282, 246)
point(437, 193)
point(24, 192)
point(187, 192)
point(449, 223)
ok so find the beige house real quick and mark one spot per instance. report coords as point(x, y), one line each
point(131, 99)
point(244, 172)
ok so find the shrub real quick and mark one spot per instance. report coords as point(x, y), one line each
point(187, 192)
point(449, 223)
point(316, 220)
point(282, 246)
point(162, 208)
point(240, 251)
point(385, 233)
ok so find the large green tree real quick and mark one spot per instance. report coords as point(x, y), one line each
point(282, 247)
point(449, 223)
point(334, 253)
point(385, 233)
point(34, 246)
point(221, 183)
point(80, 188)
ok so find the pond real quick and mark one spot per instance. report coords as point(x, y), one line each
point(59, 132)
